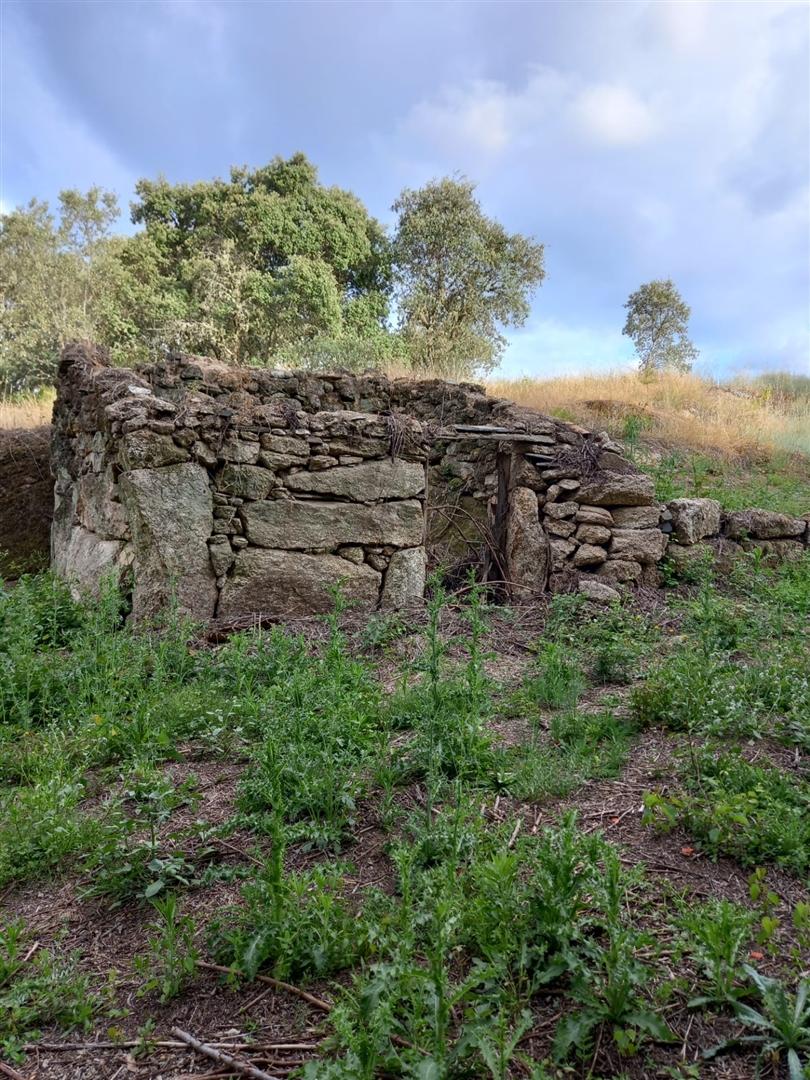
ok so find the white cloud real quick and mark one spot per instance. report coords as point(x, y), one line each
point(477, 118)
point(484, 119)
point(683, 22)
point(613, 115)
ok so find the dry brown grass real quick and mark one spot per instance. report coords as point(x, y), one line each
point(684, 410)
point(26, 412)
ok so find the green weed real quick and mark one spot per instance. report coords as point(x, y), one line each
point(173, 957)
point(38, 989)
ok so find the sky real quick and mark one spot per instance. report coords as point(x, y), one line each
point(636, 140)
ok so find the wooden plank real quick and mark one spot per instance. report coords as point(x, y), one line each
point(511, 437)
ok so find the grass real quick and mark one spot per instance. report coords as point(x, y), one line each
point(380, 846)
point(680, 410)
point(26, 410)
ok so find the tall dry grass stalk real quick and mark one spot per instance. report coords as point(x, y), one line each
point(682, 409)
point(26, 412)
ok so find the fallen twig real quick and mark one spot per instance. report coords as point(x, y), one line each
point(221, 1057)
point(7, 1070)
point(318, 1003)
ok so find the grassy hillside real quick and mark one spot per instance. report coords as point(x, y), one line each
point(749, 419)
point(26, 411)
point(745, 443)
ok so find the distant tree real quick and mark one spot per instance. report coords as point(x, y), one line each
point(657, 324)
point(460, 276)
point(48, 283)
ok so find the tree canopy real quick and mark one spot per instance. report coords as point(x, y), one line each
point(658, 324)
point(268, 266)
point(48, 281)
point(460, 276)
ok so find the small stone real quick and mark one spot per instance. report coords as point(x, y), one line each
point(376, 561)
point(762, 525)
point(221, 555)
point(246, 481)
point(353, 553)
point(560, 550)
point(524, 474)
point(589, 555)
point(238, 451)
point(593, 534)
point(776, 551)
point(594, 515)
point(146, 450)
point(620, 570)
point(560, 510)
point(598, 591)
point(640, 545)
point(285, 445)
point(636, 517)
point(204, 454)
point(559, 528)
point(238, 542)
point(618, 489)
point(322, 461)
point(405, 579)
point(694, 519)
point(186, 437)
point(278, 461)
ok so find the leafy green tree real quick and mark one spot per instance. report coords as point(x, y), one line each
point(266, 261)
point(460, 276)
point(657, 324)
point(48, 284)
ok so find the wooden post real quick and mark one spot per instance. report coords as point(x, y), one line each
point(496, 568)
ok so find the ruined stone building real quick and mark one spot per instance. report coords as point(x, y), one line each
point(240, 491)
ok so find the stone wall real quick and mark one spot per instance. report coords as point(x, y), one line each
point(251, 490)
point(233, 492)
point(700, 526)
point(26, 506)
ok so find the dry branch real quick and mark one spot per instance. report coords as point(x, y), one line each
point(218, 1055)
point(318, 1003)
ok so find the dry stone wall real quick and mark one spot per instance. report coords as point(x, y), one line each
point(701, 526)
point(234, 492)
point(249, 490)
point(243, 491)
